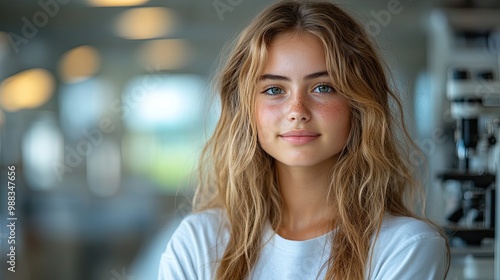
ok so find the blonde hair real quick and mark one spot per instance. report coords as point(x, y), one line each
point(373, 176)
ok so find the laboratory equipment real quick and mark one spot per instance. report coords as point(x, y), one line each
point(463, 105)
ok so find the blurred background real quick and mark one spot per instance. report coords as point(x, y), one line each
point(105, 106)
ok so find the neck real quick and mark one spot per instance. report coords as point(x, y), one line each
point(304, 190)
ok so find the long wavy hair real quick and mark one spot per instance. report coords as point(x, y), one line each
point(374, 173)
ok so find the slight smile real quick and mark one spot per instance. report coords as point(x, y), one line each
point(299, 137)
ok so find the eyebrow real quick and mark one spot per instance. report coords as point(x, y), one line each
point(283, 78)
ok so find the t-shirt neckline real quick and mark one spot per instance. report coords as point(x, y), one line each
point(294, 245)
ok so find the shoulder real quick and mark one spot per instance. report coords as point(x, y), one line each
point(194, 247)
point(205, 220)
point(398, 233)
point(402, 228)
point(201, 227)
point(408, 248)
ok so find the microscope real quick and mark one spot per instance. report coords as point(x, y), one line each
point(459, 100)
point(474, 95)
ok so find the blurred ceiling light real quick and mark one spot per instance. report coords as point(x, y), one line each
point(28, 89)
point(42, 152)
point(172, 102)
point(145, 23)
point(116, 3)
point(79, 64)
point(165, 54)
point(76, 118)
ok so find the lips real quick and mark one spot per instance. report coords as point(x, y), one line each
point(299, 137)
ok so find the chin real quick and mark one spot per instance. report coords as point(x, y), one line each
point(300, 163)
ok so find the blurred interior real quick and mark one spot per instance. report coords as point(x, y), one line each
point(105, 106)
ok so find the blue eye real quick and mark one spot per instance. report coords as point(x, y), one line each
point(273, 91)
point(324, 89)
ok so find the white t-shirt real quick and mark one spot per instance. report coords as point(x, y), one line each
point(405, 249)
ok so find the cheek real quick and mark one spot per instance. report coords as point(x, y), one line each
point(259, 120)
point(338, 112)
point(265, 115)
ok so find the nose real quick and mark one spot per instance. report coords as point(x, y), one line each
point(299, 109)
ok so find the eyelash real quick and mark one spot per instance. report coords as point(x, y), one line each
point(270, 88)
point(332, 89)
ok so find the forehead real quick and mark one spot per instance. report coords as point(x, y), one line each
point(295, 53)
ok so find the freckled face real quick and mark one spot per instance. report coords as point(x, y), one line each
point(301, 120)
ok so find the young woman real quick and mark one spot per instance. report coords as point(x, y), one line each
point(304, 177)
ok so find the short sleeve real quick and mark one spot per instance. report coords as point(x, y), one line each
point(176, 261)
